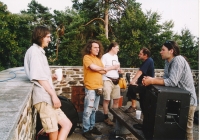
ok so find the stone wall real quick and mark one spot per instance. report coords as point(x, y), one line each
point(25, 129)
point(17, 115)
point(73, 76)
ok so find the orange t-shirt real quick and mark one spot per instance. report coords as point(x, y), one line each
point(92, 79)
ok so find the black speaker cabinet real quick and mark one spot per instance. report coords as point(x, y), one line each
point(165, 113)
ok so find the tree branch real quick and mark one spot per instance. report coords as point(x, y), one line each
point(94, 20)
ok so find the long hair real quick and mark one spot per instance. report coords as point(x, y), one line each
point(174, 46)
point(88, 47)
point(38, 34)
point(113, 44)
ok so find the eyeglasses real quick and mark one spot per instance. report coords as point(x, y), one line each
point(168, 42)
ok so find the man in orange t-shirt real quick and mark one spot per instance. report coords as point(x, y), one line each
point(93, 70)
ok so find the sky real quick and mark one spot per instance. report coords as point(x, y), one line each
point(184, 13)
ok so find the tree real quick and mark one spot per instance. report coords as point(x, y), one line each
point(13, 41)
point(73, 39)
point(105, 20)
point(189, 47)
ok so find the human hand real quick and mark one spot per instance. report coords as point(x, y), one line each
point(56, 102)
point(133, 82)
point(147, 80)
point(116, 66)
point(120, 71)
point(54, 77)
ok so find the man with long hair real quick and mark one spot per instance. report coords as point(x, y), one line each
point(92, 70)
point(44, 96)
point(177, 73)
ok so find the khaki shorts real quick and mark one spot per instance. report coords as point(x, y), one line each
point(110, 91)
point(49, 116)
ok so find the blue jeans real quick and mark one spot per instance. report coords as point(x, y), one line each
point(91, 103)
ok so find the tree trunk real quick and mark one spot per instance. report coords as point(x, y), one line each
point(106, 18)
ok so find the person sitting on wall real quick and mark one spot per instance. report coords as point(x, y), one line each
point(146, 69)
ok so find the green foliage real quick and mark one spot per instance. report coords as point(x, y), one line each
point(71, 29)
point(189, 47)
point(13, 41)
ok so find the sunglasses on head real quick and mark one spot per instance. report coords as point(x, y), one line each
point(168, 41)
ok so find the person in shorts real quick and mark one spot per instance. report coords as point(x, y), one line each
point(111, 89)
point(44, 96)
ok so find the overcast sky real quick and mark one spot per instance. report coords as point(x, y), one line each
point(184, 13)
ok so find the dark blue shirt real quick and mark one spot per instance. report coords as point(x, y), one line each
point(147, 69)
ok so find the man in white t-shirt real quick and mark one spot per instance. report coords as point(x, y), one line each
point(111, 89)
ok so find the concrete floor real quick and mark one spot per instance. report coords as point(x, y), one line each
point(106, 130)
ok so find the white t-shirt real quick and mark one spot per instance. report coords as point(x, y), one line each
point(110, 60)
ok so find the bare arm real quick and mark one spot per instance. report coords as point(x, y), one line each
point(45, 84)
point(114, 67)
point(147, 80)
point(97, 68)
point(135, 78)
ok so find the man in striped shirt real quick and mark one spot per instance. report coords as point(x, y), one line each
point(177, 73)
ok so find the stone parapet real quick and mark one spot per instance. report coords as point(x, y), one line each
point(18, 116)
point(73, 76)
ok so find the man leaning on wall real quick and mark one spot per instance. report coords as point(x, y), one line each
point(44, 96)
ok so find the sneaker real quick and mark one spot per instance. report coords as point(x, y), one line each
point(130, 109)
point(88, 135)
point(95, 131)
point(109, 122)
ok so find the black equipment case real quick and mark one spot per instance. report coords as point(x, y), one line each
point(165, 113)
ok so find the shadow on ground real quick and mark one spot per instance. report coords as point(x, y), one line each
point(106, 130)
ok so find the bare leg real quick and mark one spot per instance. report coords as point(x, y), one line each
point(115, 103)
point(66, 125)
point(105, 106)
point(53, 135)
point(133, 103)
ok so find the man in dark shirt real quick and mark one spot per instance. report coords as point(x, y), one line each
point(146, 69)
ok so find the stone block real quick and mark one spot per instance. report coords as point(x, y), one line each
point(66, 89)
point(79, 72)
point(78, 79)
point(69, 72)
point(72, 82)
point(75, 76)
